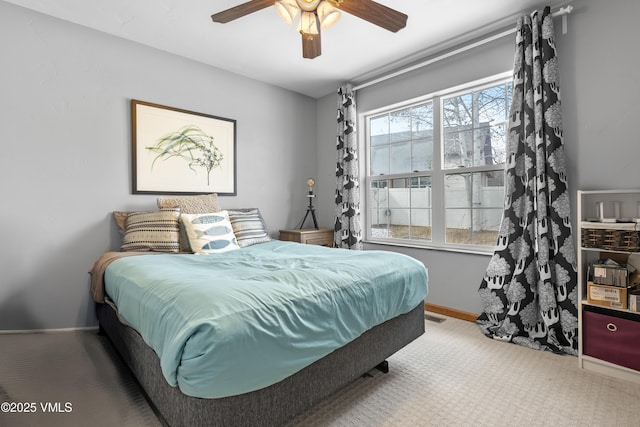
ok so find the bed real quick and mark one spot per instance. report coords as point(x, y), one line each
point(257, 335)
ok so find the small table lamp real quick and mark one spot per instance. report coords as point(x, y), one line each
point(310, 209)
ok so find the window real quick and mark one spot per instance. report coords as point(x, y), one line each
point(435, 168)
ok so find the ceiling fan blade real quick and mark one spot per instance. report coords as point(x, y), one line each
point(241, 10)
point(374, 12)
point(311, 45)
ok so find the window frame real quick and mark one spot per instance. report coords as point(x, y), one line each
point(437, 173)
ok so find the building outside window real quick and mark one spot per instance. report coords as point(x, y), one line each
point(435, 168)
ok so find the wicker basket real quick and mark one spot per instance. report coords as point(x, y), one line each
point(612, 240)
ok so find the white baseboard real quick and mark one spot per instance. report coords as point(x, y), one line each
point(47, 331)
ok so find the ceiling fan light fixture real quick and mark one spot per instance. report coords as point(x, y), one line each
point(287, 9)
point(308, 23)
point(327, 14)
point(308, 5)
point(318, 14)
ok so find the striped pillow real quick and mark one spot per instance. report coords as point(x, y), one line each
point(248, 226)
point(152, 231)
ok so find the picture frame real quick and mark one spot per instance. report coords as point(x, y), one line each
point(176, 151)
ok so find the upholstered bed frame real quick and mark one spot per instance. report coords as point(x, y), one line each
point(271, 406)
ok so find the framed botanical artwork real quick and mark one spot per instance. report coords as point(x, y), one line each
point(176, 151)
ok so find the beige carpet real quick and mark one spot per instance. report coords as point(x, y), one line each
point(451, 376)
point(455, 376)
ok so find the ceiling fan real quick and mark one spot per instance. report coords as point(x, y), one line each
point(318, 14)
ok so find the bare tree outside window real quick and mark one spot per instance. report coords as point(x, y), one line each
point(472, 137)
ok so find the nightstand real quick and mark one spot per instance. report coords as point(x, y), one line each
point(310, 236)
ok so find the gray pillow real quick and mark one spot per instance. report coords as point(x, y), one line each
point(248, 226)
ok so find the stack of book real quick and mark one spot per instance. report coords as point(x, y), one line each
point(610, 273)
point(612, 284)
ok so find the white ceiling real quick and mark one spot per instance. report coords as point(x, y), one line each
point(263, 47)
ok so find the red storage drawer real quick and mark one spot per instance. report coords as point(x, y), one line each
point(610, 338)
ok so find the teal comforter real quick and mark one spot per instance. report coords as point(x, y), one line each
point(230, 323)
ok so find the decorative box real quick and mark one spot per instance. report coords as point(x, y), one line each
point(610, 338)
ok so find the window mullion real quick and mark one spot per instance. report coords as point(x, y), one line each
point(437, 177)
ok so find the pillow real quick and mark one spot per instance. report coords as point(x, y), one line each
point(248, 226)
point(210, 232)
point(152, 231)
point(198, 204)
point(202, 203)
point(121, 219)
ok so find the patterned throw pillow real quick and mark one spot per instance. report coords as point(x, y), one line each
point(152, 231)
point(210, 232)
point(248, 226)
point(197, 204)
point(121, 219)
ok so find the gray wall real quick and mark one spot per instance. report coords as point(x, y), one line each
point(600, 88)
point(65, 159)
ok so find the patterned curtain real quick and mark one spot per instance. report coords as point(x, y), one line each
point(529, 288)
point(347, 229)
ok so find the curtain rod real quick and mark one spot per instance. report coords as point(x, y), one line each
point(563, 11)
